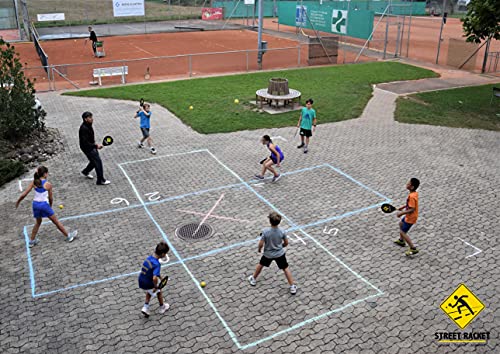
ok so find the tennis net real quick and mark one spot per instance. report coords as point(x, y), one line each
point(44, 58)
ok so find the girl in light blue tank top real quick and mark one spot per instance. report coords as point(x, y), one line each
point(276, 158)
point(42, 205)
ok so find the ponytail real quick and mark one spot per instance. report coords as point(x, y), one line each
point(40, 172)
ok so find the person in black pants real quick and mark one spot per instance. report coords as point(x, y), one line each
point(89, 148)
point(93, 39)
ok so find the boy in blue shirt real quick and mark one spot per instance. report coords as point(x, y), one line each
point(307, 124)
point(273, 241)
point(145, 115)
point(149, 278)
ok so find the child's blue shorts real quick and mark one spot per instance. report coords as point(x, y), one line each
point(42, 210)
point(405, 227)
point(275, 159)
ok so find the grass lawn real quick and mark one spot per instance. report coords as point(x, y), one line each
point(340, 93)
point(467, 107)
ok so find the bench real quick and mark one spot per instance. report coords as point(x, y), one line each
point(114, 71)
point(263, 96)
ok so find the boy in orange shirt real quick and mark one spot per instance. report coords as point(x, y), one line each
point(410, 212)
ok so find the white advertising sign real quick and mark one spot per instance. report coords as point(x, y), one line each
point(50, 17)
point(249, 2)
point(123, 8)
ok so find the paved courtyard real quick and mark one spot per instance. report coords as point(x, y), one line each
point(358, 293)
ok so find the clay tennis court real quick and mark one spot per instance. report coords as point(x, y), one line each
point(167, 55)
point(140, 52)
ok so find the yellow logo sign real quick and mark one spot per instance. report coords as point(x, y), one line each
point(462, 306)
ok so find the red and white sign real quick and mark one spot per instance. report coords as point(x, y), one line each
point(212, 13)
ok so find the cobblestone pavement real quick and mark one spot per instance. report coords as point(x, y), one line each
point(358, 293)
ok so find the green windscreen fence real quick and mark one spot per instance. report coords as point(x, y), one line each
point(327, 17)
point(379, 7)
point(238, 9)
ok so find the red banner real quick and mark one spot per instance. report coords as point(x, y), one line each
point(212, 13)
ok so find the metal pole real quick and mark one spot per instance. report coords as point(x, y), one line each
point(261, 19)
point(371, 34)
point(386, 35)
point(298, 56)
point(486, 50)
point(441, 32)
point(247, 59)
point(398, 39)
point(402, 36)
point(409, 30)
point(190, 65)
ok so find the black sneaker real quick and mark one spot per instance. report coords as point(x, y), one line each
point(300, 146)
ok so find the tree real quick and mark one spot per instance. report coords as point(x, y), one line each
point(482, 21)
point(18, 119)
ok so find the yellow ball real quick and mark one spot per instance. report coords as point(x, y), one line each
point(61, 206)
point(236, 101)
point(191, 107)
point(203, 284)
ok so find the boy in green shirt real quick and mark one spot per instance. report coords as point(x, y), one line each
point(307, 124)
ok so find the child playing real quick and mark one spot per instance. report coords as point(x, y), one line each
point(410, 217)
point(145, 114)
point(307, 124)
point(42, 205)
point(149, 278)
point(275, 158)
point(273, 241)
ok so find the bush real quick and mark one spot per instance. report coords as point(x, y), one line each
point(9, 170)
point(18, 119)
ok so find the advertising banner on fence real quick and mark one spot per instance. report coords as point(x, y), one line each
point(327, 17)
point(212, 13)
point(50, 17)
point(123, 8)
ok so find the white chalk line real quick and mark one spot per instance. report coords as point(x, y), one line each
point(212, 216)
point(208, 215)
point(468, 244)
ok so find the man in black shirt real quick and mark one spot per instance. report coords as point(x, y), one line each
point(89, 148)
point(93, 39)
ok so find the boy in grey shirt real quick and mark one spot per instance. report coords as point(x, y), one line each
point(273, 241)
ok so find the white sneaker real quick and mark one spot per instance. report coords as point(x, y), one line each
point(105, 183)
point(72, 235)
point(89, 176)
point(293, 289)
point(145, 311)
point(252, 280)
point(140, 145)
point(153, 151)
point(164, 308)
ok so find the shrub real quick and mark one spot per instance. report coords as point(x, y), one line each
point(18, 119)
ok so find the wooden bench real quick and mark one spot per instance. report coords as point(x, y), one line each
point(114, 71)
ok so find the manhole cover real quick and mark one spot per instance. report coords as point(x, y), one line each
point(194, 232)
